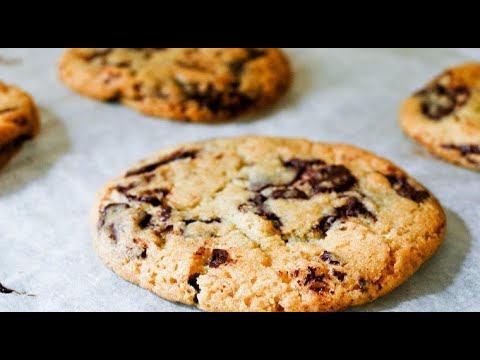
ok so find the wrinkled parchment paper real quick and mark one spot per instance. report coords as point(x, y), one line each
point(339, 95)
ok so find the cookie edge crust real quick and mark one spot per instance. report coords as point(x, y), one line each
point(411, 264)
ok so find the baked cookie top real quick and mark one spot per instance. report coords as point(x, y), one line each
point(266, 224)
point(192, 84)
point(19, 120)
point(445, 116)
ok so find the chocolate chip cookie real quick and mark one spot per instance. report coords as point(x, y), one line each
point(196, 84)
point(445, 116)
point(19, 120)
point(266, 224)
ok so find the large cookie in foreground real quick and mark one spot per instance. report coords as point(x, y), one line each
point(19, 120)
point(191, 84)
point(445, 116)
point(266, 224)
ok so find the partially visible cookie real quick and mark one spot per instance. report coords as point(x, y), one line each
point(266, 224)
point(19, 120)
point(191, 84)
point(445, 116)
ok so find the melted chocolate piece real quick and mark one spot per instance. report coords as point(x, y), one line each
point(332, 178)
point(238, 66)
point(328, 258)
point(314, 281)
point(353, 208)
point(403, 188)
point(229, 100)
point(464, 149)
point(288, 193)
point(339, 275)
point(218, 258)
point(439, 101)
point(192, 281)
point(144, 220)
point(178, 155)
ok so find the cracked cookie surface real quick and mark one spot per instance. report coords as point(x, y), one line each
point(266, 224)
point(190, 84)
point(19, 120)
point(445, 116)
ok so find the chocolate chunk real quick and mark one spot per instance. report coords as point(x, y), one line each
point(144, 220)
point(192, 281)
point(314, 281)
point(276, 222)
point(302, 164)
point(218, 258)
point(353, 208)
point(328, 258)
point(403, 188)
point(107, 210)
point(178, 155)
point(165, 213)
point(229, 100)
point(152, 197)
point(5, 290)
point(238, 66)
point(464, 149)
point(210, 221)
point(331, 178)
point(143, 255)
point(288, 193)
point(438, 101)
point(339, 275)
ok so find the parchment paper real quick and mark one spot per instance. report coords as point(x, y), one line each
point(339, 95)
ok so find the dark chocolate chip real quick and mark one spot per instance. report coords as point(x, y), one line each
point(464, 149)
point(218, 258)
point(302, 164)
point(276, 222)
point(165, 213)
point(144, 220)
point(403, 188)
point(353, 208)
point(177, 155)
point(143, 255)
point(328, 258)
point(314, 281)
point(288, 193)
point(339, 275)
point(331, 178)
point(438, 101)
point(238, 66)
point(192, 281)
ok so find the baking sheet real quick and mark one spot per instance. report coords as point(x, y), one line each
point(339, 95)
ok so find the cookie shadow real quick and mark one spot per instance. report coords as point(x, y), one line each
point(437, 274)
point(37, 156)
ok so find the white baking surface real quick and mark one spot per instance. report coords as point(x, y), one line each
point(339, 95)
